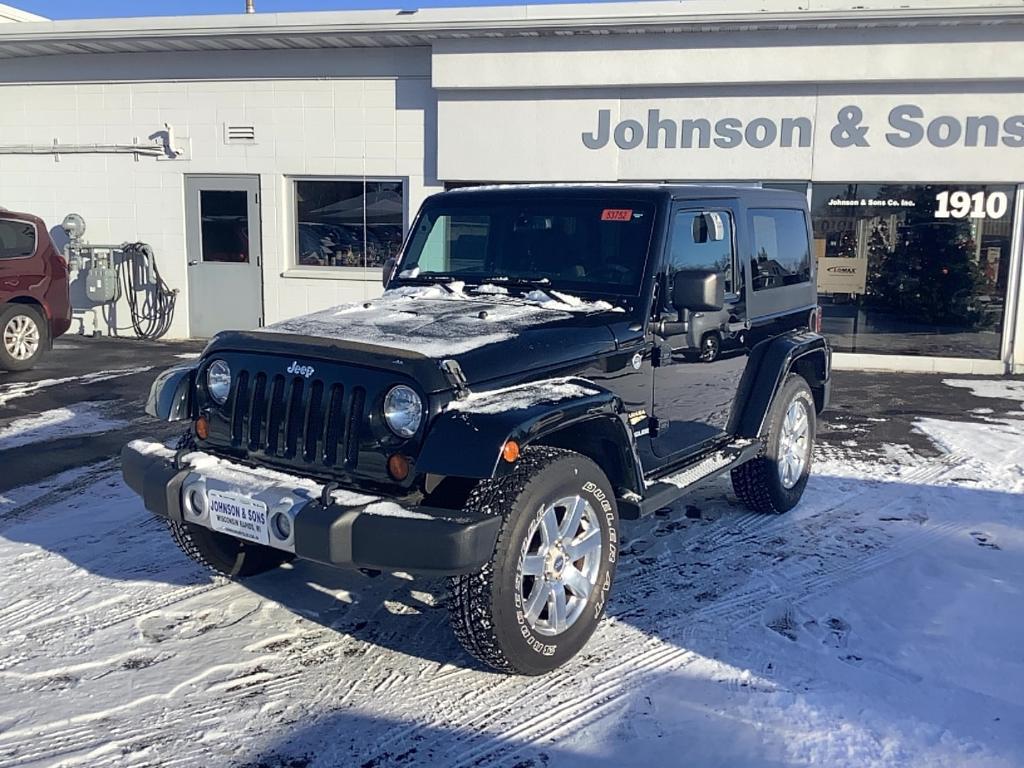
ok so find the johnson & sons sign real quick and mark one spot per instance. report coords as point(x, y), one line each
point(906, 125)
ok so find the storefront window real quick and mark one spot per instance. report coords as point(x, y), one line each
point(341, 223)
point(913, 269)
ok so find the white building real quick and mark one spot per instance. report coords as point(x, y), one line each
point(273, 161)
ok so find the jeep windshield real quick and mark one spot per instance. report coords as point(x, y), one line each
point(581, 246)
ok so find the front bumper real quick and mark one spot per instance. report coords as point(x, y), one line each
point(354, 530)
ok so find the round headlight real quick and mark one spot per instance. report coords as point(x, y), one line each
point(403, 411)
point(218, 381)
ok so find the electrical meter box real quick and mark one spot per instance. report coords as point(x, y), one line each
point(101, 285)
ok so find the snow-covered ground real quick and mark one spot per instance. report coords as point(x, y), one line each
point(78, 419)
point(879, 624)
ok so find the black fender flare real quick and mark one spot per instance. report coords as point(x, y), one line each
point(462, 442)
point(170, 394)
point(770, 362)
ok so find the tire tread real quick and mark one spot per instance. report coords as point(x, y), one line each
point(470, 610)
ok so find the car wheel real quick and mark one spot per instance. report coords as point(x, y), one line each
point(774, 481)
point(225, 554)
point(22, 337)
point(539, 599)
point(710, 347)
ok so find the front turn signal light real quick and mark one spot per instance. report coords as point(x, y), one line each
point(398, 466)
point(510, 451)
point(202, 428)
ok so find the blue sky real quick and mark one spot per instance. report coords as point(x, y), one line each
point(86, 9)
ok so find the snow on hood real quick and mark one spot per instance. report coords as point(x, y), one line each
point(524, 396)
point(438, 320)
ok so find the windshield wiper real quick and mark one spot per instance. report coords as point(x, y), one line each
point(524, 282)
point(442, 280)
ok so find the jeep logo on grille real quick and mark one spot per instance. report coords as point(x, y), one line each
point(301, 370)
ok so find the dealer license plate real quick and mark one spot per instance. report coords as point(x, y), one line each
point(238, 515)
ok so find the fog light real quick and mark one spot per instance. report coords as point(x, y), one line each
point(398, 466)
point(202, 428)
point(197, 501)
point(282, 525)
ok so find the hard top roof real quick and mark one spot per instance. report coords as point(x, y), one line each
point(652, 191)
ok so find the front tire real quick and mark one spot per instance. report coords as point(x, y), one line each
point(225, 554)
point(539, 599)
point(710, 347)
point(774, 481)
point(22, 337)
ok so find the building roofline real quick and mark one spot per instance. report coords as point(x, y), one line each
point(398, 27)
point(10, 13)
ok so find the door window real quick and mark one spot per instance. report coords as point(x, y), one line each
point(703, 240)
point(17, 239)
point(225, 225)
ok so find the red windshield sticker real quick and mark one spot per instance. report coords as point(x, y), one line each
point(616, 214)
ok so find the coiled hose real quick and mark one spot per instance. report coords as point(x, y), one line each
point(151, 318)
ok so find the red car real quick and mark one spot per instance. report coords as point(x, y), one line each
point(35, 307)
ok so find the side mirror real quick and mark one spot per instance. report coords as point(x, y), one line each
point(389, 267)
point(708, 227)
point(698, 290)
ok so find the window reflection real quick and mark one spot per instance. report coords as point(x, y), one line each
point(348, 223)
point(900, 271)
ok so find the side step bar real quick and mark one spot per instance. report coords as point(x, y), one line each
point(664, 490)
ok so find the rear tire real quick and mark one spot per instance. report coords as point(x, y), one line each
point(537, 602)
point(774, 481)
point(23, 337)
point(225, 554)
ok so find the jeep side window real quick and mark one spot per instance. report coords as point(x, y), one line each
point(703, 240)
point(781, 251)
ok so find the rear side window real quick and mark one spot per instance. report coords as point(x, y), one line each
point(782, 254)
point(17, 239)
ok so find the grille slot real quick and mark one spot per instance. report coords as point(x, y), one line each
point(293, 418)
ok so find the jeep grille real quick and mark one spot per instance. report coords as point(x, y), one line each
point(295, 418)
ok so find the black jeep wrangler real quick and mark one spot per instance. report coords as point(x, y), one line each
point(528, 378)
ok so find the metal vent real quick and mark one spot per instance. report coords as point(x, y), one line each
point(239, 134)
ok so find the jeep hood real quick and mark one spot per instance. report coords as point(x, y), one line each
point(410, 330)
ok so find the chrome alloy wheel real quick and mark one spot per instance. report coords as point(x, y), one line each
point(559, 565)
point(21, 337)
point(794, 444)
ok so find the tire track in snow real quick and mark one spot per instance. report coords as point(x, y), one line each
point(744, 608)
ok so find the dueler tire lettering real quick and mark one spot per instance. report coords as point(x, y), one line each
point(486, 607)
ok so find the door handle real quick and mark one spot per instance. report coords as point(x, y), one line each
point(192, 263)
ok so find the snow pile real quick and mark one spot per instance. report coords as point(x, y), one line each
point(79, 419)
point(567, 302)
point(437, 320)
point(1001, 389)
point(524, 396)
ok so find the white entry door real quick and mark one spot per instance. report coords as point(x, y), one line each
point(225, 281)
